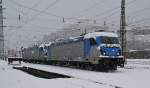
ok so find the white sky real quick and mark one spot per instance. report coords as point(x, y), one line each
point(40, 17)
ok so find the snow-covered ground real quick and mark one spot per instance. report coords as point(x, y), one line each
point(134, 75)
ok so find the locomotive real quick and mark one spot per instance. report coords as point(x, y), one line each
point(92, 51)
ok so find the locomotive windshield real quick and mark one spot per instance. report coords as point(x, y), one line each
point(109, 40)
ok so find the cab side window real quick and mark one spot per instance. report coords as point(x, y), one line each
point(92, 42)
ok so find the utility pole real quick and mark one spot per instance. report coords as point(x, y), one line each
point(123, 28)
point(1, 32)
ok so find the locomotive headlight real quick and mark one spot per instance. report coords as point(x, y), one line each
point(98, 48)
point(104, 53)
point(118, 53)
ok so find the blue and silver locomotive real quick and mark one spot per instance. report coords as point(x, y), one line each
point(97, 50)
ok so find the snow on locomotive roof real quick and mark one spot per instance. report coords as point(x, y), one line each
point(75, 38)
point(94, 34)
point(48, 44)
point(42, 45)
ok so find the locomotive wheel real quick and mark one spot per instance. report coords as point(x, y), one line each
point(121, 65)
point(82, 66)
point(89, 67)
point(114, 67)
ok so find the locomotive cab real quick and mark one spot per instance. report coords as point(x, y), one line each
point(105, 48)
point(110, 46)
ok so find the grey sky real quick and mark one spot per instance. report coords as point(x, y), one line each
point(39, 17)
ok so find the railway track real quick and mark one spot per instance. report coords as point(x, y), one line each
point(41, 73)
point(50, 75)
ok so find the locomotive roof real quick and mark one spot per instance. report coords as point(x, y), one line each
point(95, 34)
point(42, 45)
point(70, 40)
point(48, 44)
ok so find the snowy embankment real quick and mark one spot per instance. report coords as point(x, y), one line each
point(134, 75)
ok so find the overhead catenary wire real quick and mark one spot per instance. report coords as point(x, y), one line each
point(34, 6)
point(137, 14)
point(42, 11)
point(31, 25)
point(27, 13)
point(141, 10)
point(110, 15)
point(32, 18)
point(37, 10)
point(115, 11)
point(90, 8)
point(138, 21)
point(117, 8)
point(21, 12)
point(49, 6)
point(18, 4)
point(132, 24)
point(30, 8)
point(12, 7)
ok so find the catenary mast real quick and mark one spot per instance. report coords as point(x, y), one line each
point(123, 28)
point(1, 32)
